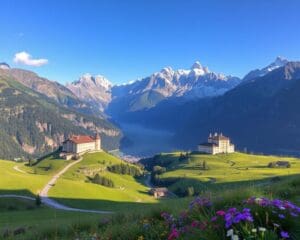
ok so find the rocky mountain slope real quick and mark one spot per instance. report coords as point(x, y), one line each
point(50, 89)
point(197, 82)
point(279, 62)
point(95, 90)
point(32, 124)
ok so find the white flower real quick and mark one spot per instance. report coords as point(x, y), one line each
point(234, 237)
point(229, 233)
point(254, 230)
point(262, 229)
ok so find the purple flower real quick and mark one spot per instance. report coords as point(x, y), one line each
point(281, 216)
point(284, 234)
point(232, 216)
point(200, 202)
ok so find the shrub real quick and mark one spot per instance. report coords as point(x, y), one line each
point(125, 169)
point(158, 169)
point(103, 181)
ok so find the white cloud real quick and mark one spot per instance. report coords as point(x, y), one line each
point(26, 59)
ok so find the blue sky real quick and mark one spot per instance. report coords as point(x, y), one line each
point(125, 40)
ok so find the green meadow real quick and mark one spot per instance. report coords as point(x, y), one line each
point(221, 171)
point(241, 175)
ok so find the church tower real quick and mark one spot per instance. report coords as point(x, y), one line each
point(97, 142)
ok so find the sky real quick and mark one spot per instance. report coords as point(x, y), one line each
point(126, 40)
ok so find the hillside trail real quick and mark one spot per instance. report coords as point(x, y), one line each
point(51, 202)
point(18, 169)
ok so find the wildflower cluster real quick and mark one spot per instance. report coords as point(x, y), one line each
point(200, 202)
point(283, 208)
point(233, 216)
point(255, 219)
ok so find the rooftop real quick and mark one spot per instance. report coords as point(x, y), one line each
point(81, 139)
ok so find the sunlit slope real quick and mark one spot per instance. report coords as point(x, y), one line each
point(16, 182)
point(222, 169)
point(74, 189)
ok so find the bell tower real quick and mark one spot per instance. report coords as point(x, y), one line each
point(97, 142)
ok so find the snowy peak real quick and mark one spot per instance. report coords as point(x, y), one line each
point(196, 65)
point(198, 70)
point(89, 80)
point(278, 62)
point(96, 89)
point(4, 66)
point(196, 82)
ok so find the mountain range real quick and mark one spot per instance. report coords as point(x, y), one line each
point(185, 103)
point(197, 82)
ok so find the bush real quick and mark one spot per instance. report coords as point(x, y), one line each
point(125, 169)
point(103, 181)
point(158, 169)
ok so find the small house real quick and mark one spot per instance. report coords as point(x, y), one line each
point(159, 192)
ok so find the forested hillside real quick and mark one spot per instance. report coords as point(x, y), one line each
point(33, 124)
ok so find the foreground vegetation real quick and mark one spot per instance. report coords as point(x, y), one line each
point(150, 222)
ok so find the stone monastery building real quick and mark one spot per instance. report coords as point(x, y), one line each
point(215, 144)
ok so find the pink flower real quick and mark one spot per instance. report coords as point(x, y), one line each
point(221, 213)
point(174, 234)
point(194, 224)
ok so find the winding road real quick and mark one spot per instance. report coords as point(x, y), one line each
point(51, 202)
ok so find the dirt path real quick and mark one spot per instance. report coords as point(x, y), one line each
point(44, 193)
point(18, 169)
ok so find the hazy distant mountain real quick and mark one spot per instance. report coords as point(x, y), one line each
point(96, 90)
point(279, 62)
point(197, 82)
point(32, 124)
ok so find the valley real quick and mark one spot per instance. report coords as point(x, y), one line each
point(141, 141)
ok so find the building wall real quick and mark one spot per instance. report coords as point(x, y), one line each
point(223, 146)
point(205, 149)
point(83, 147)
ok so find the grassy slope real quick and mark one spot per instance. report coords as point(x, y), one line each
point(48, 165)
point(73, 189)
point(236, 168)
point(12, 181)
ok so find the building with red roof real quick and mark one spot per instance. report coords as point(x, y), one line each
point(79, 144)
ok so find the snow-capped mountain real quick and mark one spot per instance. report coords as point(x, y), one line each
point(196, 82)
point(94, 89)
point(279, 62)
point(4, 66)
